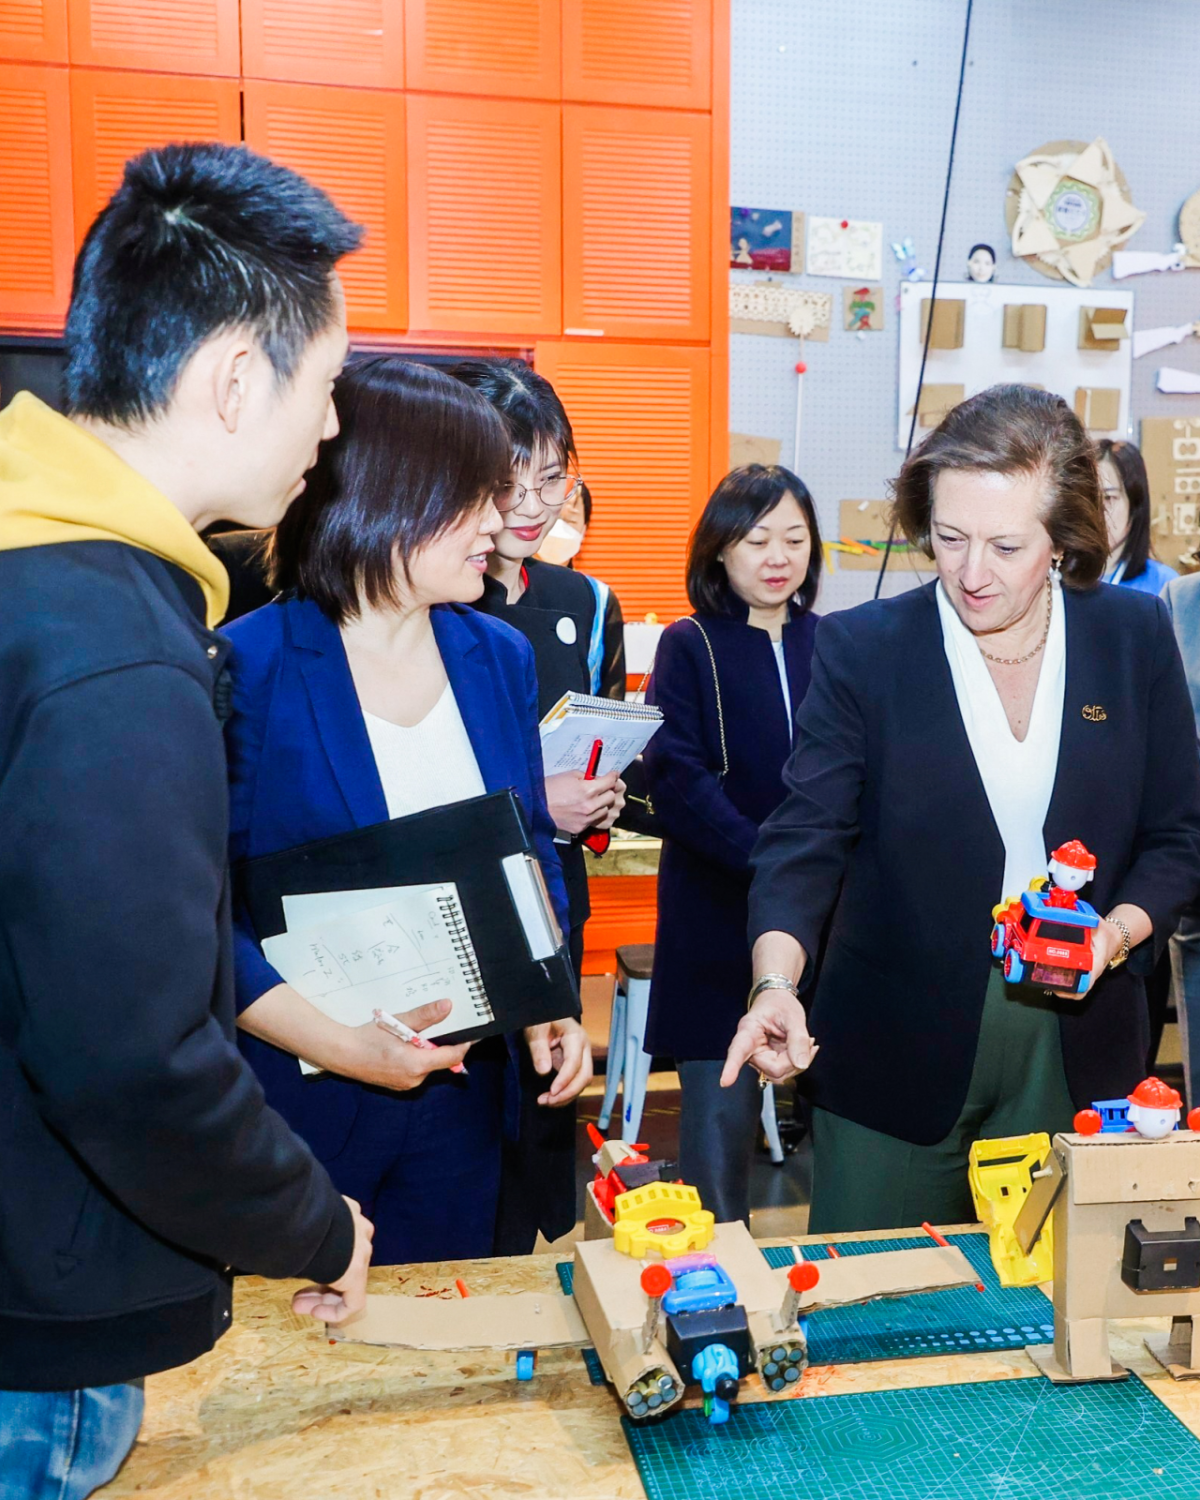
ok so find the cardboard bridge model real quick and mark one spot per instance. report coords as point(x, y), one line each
point(667, 1297)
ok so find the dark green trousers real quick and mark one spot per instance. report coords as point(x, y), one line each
point(863, 1179)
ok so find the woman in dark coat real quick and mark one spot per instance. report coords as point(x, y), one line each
point(728, 679)
point(554, 608)
point(951, 740)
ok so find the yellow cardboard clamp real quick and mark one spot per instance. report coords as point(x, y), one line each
point(1001, 1175)
point(662, 1218)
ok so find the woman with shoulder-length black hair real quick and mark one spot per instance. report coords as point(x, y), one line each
point(555, 609)
point(1126, 488)
point(729, 679)
point(371, 689)
point(955, 741)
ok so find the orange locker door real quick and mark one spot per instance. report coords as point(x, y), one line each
point(637, 223)
point(484, 213)
point(352, 144)
point(116, 115)
point(33, 30)
point(324, 41)
point(640, 415)
point(508, 47)
point(655, 52)
point(170, 36)
point(35, 196)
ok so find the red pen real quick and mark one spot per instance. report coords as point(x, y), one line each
point(599, 841)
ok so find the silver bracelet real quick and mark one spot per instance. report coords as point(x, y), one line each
point(772, 982)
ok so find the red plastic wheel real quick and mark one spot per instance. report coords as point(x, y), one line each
point(656, 1279)
point(803, 1276)
point(1088, 1122)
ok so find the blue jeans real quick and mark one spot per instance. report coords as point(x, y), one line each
point(62, 1445)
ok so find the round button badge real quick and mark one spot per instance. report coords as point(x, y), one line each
point(566, 632)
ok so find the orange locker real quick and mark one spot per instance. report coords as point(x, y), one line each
point(656, 52)
point(624, 910)
point(637, 223)
point(508, 47)
point(33, 30)
point(116, 115)
point(641, 418)
point(351, 142)
point(35, 196)
point(484, 213)
point(359, 42)
point(167, 36)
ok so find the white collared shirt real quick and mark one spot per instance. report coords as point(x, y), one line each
point(1017, 775)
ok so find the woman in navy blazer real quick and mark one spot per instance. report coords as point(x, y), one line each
point(895, 842)
point(338, 685)
point(728, 679)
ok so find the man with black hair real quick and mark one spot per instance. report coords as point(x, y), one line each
point(138, 1161)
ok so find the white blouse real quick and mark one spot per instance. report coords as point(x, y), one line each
point(1017, 775)
point(428, 764)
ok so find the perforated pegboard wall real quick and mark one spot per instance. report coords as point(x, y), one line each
point(846, 110)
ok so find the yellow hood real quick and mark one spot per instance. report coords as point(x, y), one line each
point(58, 483)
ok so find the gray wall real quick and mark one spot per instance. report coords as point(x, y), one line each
point(844, 107)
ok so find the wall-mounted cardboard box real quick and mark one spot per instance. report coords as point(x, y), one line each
point(1103, 328)
point(1098, 407)
point(1025, 326)
point(949, 319)
point(935, 401)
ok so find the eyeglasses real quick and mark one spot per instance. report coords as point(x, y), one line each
point(552, 493)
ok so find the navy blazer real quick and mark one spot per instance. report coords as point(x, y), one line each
point(887, 842)
point(710, 825)
point(301, 768)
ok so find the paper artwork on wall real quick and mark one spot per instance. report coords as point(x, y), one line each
point(1171, 448)
point(1068, 208)
point(766, 239)
point(1189, 230)
point(769, 307)
point(1178, 382)
point(1148, 340)
point(862, 308)
point(845, 247)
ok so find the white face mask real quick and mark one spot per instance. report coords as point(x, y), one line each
point(561, 543)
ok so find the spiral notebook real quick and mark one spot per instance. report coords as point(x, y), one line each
point(411, 947)
point(449, 903)
point(577, 721)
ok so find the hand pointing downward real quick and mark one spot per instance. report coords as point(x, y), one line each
point(773, 1037)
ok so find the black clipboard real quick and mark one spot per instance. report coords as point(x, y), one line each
point(464, 842)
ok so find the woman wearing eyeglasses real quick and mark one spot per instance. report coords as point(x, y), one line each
point(554, 609)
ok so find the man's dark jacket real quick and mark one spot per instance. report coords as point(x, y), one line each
point(138, 1160)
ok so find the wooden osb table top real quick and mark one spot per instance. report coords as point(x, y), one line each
point(276, 1412)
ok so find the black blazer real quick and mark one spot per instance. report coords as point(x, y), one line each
point(555, 615)
point(709, 825)
point(886, 847)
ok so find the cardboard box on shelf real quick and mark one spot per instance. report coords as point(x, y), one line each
point(1098, 407)
point(1103, 328)
point(1025, 326)
point(949, 320)
point(935, 401)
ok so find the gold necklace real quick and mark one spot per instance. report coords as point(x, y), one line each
point(1017, 661)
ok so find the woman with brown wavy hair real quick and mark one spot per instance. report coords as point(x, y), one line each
point(951, 740)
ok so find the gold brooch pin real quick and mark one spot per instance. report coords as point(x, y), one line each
point(1094, 713)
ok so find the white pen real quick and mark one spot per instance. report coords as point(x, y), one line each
point(397, 1027)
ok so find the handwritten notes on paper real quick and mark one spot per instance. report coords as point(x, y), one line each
point(395, 955)
point(845, 247)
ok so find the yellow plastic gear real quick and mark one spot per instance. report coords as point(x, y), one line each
point(662, 1218)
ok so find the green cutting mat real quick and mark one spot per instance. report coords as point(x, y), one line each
point(957, 1322)
point(1004, 1440)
